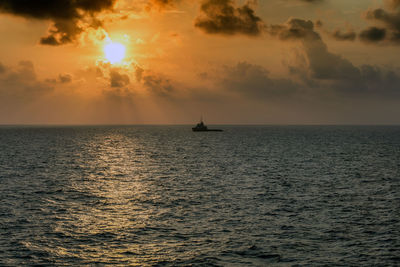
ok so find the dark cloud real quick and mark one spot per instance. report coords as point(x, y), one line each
point(293, 29)
point(65, 78)
point(389, 25)
point(62, 78)
point(66, 15)
point(62, 32)
point(51, 40)
point(138, 73)
point(117, 79)
point(49, 9)
point(373, 34)
point(390, 18)
point(322, 64)
point(338, 34)
point(325, 65)
point(349, 35)
point(324, 69)
point(224, 17)
point(157, 84)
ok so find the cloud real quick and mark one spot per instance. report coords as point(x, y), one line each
point(393, 4)
point(19, 84)
point(391, 19)
point(224, 17)
point(138, 73)
point(323, 65)
point(62, 32)
point(65, 78)
point(312, 1)
point(254, 81)
point(62, 79)
point(158, 84)
point(160, 4)
point(349, 35)
point(117, 79)
point(2, 68)
point(324, 69)
point(106, 75)
point(119, 95)
point(293, 29)
point(92, 75)
point(388, 29)
point(339, 35)
point(331, 71)
point(380, 81)
point(69, 17)
point(373, 34)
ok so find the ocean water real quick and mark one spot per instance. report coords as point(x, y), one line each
point(165, 196)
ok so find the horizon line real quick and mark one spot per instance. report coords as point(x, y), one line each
point(187, 124)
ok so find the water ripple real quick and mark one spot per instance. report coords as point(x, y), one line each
point(164, 196)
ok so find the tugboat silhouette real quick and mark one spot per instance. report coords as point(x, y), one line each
point(201, 127)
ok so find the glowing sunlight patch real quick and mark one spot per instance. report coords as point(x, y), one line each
point(114, 52)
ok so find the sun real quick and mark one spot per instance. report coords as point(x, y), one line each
point(114, 52)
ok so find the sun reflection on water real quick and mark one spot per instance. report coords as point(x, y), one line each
point(107, 209)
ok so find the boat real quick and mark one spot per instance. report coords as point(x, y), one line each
point(201, 127)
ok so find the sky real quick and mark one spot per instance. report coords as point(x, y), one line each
point(172, 61)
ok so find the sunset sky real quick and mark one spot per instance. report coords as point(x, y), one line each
point(171, 61)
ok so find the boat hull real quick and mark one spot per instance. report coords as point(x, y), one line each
point(207, 130)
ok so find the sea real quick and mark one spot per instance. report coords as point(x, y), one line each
point(167, 196)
